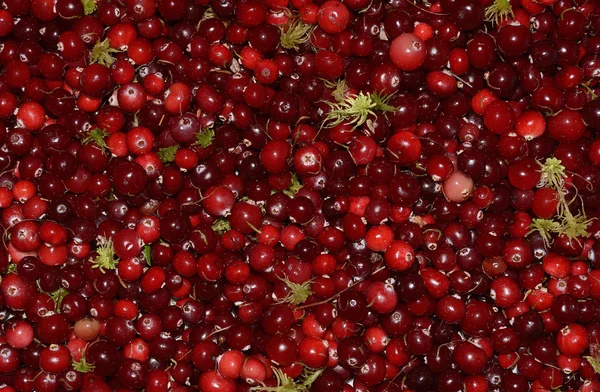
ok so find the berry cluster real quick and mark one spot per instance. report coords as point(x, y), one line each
point(299, 195)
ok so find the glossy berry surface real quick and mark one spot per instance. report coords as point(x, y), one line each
point(300, 196)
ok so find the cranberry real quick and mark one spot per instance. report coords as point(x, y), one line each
point(345, 195)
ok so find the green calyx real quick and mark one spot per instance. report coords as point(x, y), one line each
point(106, 258)
point(102, 53)
point(167, 154)
point(499, 11)
point(356, 109)
point(96, 136)
point(287, 384)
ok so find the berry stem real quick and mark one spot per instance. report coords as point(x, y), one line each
point(58, 296)
point(358, 281)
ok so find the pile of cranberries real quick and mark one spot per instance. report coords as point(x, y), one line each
point(300, 195)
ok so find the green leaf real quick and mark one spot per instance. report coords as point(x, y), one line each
point(148, 255)
point(594, 363)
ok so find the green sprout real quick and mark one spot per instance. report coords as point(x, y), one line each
point(106, 258)
point(205, 137)
point(102, 53)
point(573, 226)
point(339, 88)
point(221, 226)
point(287, 384)
point(57, 297)
point(499, 11)
point(299, 292)
point(167, 154)
point(294, 187)
point(89, 6)
point(295, 33)
point(553, 174)
point(545, 227)
point(356, 109)
point(97, 136)
point(83, 366)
